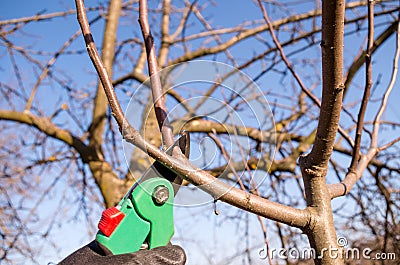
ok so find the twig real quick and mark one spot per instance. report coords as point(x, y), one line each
point(391, 143)
point(284, 58)
point(367, 90)
point(343, 188)
point(50, 63)
point(360, 59)
point(40, 17)
point(293, 72)
point(385, 98)
point(246, 33)
point(214, 137)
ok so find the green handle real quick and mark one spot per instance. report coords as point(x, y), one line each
point(145, 218)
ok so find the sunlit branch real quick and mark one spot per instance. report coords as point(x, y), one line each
point(293, 72)
point(367, 89)
point(40, 17)
point(215, 36)
point(165, 24)
point(254, 189)
point(46, 126)
point(156, 87)
point(359, 61)
point(343, 188)
point(101, 70)
point(247, 33)
point(389, 89)
point(49, 64)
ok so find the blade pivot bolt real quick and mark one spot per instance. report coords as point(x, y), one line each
point(160, 195)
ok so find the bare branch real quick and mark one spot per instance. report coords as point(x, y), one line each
point(206, 126)
point(165, 43)
point(46, 126)
point(359, 61)
point(40, 17)
point(315, 164)
point(387, 145)
point(96, 128)
point(285, 59)
point(343, 188)
point(293, 72)
point(101, 70)
point(332, 70)
point(50, 63)
point(367, 90)
point(156, 87)
point(389, 89)
point(242, 35)
point(242, 187)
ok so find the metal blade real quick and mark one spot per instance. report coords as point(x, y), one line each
point(159, 170)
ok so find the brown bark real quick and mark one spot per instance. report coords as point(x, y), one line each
point(321, 232)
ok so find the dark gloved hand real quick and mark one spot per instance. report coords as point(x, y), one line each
point(92, 254)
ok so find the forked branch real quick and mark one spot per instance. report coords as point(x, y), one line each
point(343, 188)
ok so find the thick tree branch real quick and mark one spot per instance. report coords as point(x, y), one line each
point(49, 128)
point(206, 126)
point(332, 69)
point(110, 186)
point(322, 234)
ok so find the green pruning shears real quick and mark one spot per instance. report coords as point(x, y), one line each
point(143, 219)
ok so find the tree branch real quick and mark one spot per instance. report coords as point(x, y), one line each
point(165, 43)
point(96, 128)
point(332, 95)
point(156, 87)
point(344, 187)
point(49, 64)
point(314, 165)
point(242, 35)
point(110, 186)
point(40, 17)
point(367, 89)
point(395, 69)
point(47, 127)
point(359, 61)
